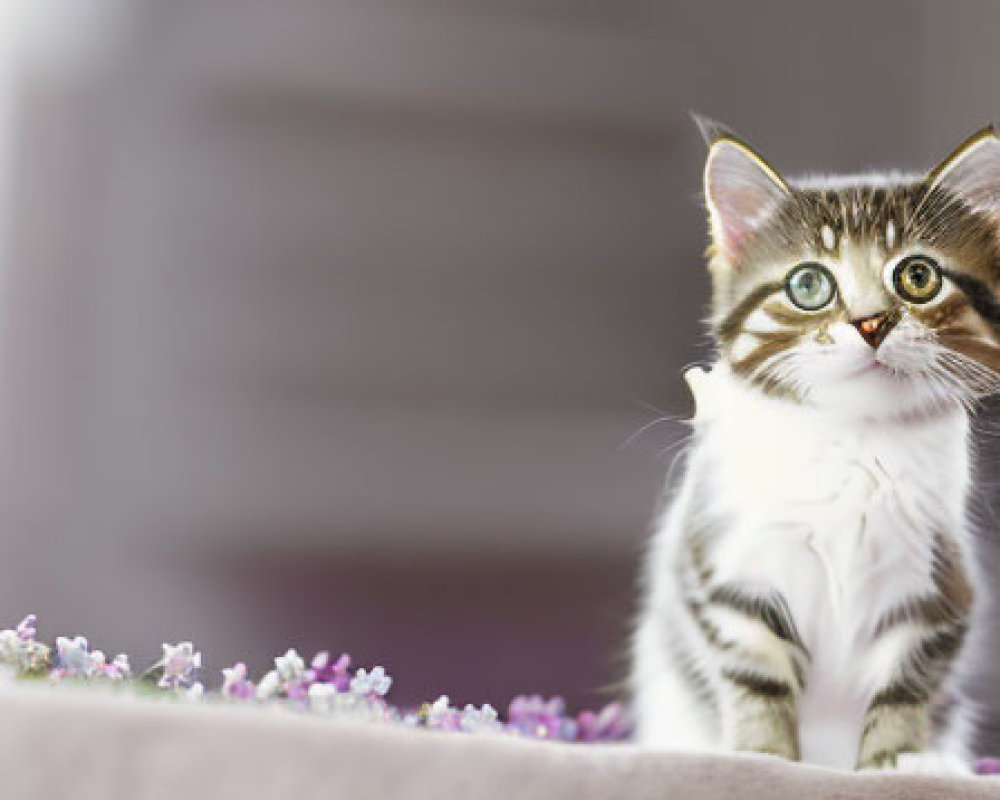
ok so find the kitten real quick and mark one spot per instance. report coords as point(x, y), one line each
point(809, 586)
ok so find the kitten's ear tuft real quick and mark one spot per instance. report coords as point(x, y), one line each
point(972, 172)
point(711, 130)
point(741, 191)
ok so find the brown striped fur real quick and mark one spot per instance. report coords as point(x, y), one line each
point(871, 222)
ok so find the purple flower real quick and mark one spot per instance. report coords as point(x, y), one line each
point(291, 669)
point(327, 687)
point(26, 628)
point(235, 683)
point(337, 673)
point(118, 669)
point(538, 718)
point(297, 690)
point(988, 766)
point(179, 664)
point(610, 724)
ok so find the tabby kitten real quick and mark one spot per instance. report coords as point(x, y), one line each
point(808, 588)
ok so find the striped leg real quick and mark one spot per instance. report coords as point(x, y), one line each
point(760, 657)
point(921, 638)
point(759, 714)
point(898, 717)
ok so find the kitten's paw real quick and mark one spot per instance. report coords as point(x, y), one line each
point(769, 745)
point(932, 763)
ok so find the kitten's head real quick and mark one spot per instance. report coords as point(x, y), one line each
point(875, 296)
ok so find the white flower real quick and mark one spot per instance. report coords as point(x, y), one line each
point(374, 682)
point(193, 693)
point(321, 697)
point(179, 663)
point(269, 685)
point(478, 720)
point(290, 666)
point(443, 703)
point(120, 668)
point(347, 705)
point(231, 676)
point(439, 712)
point(74, 657)
point(11, 647)
point(18, 648)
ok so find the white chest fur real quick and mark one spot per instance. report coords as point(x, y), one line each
point(862, 496)
point(840, 516)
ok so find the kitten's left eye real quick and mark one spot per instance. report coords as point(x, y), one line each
point(810, 286)
point(917, 279)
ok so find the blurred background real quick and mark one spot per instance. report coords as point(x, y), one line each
point(334, 323)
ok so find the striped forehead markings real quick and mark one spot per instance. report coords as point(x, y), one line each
point(851, 228)
point(829, 238)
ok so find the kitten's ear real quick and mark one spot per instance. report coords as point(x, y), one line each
point(741, 190)
point(972, 172)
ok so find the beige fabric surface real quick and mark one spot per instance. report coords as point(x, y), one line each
point(63, 744)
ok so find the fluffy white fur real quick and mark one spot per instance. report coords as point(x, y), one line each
point(836, 503)
point(834, 507)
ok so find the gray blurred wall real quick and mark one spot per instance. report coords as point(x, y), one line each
point(330, 321)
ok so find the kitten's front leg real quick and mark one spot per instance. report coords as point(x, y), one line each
point(898, 717)
point(890, 730)
point(923, 641)
point(759, 714)
point(760, 657)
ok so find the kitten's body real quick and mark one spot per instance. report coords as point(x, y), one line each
point(809, 589)
point(840, 517)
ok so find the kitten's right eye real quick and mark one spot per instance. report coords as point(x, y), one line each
point(810, 286)
point(917, 279)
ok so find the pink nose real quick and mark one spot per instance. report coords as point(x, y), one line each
point(875, 328)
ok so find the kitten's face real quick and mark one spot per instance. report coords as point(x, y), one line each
point(873, 297)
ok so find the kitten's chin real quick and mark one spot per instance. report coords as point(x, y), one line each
point(871, 368)
point(874, 391)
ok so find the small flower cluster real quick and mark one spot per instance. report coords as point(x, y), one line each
point(330, 687)
point(539, 718)
point(441, 715)
point(326, 687)
point(75, 659)
point(20, 652)
point(177, 670)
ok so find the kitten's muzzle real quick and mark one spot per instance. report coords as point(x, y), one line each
point(875, 328)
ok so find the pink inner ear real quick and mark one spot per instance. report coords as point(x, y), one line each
point(741, 212)
point(741, 194)
point(974, 176)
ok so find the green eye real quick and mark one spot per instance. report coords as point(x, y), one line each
point(917, 279)
point(810, 286)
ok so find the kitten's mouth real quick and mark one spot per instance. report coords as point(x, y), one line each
point(873, 367)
